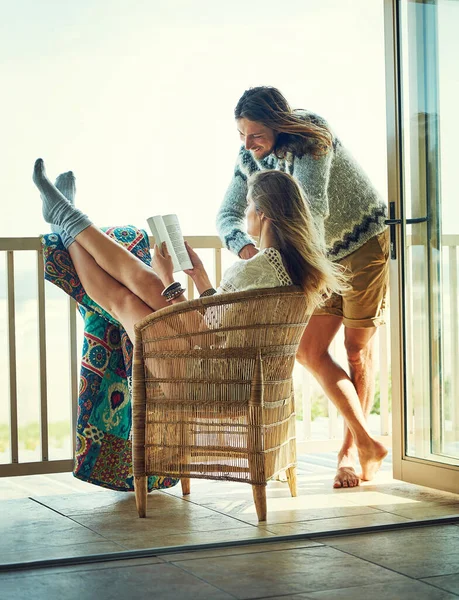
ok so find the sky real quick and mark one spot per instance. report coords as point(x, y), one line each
point(137, 97)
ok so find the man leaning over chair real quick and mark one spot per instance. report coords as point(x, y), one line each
point(351, 217)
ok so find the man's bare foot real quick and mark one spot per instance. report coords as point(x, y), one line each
point(346, 477)
point(371, 459)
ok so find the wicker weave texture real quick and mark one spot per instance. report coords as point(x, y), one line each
point(213, 392)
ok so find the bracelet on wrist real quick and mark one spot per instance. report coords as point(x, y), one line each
point(170, 288)
point(209, 292)
point(172, 295)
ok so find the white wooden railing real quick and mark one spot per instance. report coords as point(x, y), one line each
point(320, 434)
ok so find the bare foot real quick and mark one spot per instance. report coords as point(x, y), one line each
point(371, 459)
point(346, 477)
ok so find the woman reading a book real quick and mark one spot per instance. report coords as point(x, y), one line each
point(277, 214)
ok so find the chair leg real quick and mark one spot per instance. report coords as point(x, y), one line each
point(291, 478)
point(185, 441)
point(256, 457)
point(141, 490)
point(186, 487)
point(259, 497)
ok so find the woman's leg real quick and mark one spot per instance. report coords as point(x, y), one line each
point(112, 296)
point(110, 256)
point(123, 266)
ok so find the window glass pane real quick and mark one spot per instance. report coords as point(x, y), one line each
point(430, 84)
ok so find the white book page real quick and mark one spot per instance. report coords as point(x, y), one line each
point(175, 235)
point(161, 234)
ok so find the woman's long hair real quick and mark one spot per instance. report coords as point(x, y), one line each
point(296, 133)
point(280, 198)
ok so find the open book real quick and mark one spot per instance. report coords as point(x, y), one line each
point(166, 228)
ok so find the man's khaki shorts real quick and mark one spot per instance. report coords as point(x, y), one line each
point(368, 267)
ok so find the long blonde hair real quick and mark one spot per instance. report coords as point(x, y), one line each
point(280, 198)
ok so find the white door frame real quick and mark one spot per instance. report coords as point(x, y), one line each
point(413, 470)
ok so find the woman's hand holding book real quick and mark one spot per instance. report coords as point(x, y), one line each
point(198, 273)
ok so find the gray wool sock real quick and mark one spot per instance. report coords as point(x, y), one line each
point(65, 183)
point(56, 208)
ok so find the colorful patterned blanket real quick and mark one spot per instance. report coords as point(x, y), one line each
point(103, 437)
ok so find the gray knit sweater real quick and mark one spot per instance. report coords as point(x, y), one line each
point(345, 205)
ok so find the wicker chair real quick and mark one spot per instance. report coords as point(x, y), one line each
point(213, 391)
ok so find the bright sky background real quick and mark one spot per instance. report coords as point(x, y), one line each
point(137, 96)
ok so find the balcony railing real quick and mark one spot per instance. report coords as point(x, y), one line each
point(317, 430)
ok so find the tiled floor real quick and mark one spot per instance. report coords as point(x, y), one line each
point(417, 564)
point(51, 517)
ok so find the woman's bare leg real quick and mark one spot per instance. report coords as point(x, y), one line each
point(109, 255)
point(123, 266)
point(112, 296)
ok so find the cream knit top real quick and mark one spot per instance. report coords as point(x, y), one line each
point(264, 270)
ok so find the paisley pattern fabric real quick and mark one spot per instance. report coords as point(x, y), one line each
point(103, 436)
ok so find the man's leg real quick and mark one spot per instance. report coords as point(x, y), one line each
point(362, 309)
point(314, 354)
point(359, 345)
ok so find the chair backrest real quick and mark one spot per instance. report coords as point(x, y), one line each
point(220, 336)
point(196, 361)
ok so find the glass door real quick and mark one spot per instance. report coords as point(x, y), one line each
point(423, 128)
